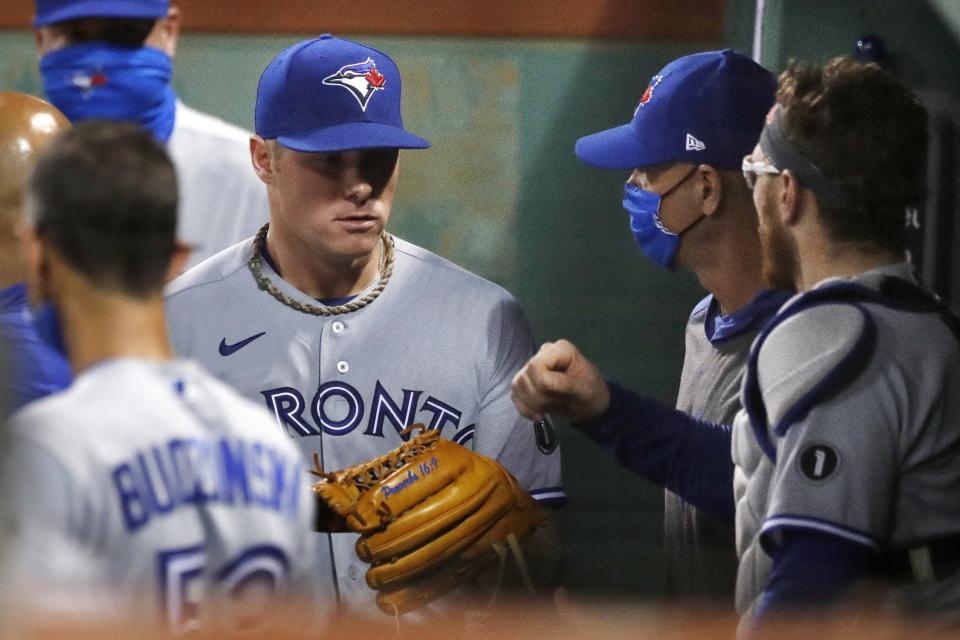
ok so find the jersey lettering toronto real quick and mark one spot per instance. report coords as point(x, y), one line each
point(338, 409)
point(199, 471)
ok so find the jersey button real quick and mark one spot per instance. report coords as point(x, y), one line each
point(338, 327)
point(343, 367)
point(352, 572)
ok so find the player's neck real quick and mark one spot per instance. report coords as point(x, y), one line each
point(317, 275)
point(732, 269)
point(101, 326)
point(821, 261)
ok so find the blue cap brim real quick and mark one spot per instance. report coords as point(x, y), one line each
point(98, 9)
point(615, 148)
point(352, 135)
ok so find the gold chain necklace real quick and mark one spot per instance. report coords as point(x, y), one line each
point(384, 271)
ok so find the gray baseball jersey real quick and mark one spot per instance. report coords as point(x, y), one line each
point(700, 553)
point(439, 346)
point(861, 437)
point(151, 485)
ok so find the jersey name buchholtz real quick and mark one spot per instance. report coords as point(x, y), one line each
point(290, 409)
point(191, 471)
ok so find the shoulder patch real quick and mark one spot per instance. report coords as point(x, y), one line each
point(818, 462)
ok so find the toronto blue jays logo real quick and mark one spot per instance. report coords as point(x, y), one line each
point(648, 92)
point(86, 82)
point(361, 79)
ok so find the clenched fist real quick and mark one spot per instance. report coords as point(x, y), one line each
point(559, 380)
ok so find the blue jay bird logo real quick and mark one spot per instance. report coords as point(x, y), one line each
point(361, 79)
point(88, 82)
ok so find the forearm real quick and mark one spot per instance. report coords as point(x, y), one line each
point(687, 456)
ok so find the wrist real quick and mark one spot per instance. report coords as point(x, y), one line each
point(600, 404)
point(599, 408)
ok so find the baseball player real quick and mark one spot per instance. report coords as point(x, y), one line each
point(147, 485)
point(848, 451)
point(31, 368)
point(689, 208)
point(346, 333)
point(113, 59)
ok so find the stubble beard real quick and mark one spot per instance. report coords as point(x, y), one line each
point(781, 265)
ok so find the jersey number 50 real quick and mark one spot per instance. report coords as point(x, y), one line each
point(258, 573)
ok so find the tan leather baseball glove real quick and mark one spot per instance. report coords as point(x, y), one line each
point(431, 514)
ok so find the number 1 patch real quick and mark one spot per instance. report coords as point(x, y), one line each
point(818, 462)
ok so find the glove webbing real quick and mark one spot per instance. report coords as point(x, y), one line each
point(368, 474)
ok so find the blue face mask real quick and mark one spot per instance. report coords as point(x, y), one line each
point(656, 241)
point(46, 320)
point(95, 80)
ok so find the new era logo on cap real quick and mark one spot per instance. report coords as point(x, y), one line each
point(694, 145)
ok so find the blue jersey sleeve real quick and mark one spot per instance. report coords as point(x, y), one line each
point(689, 457)
point(810, 568)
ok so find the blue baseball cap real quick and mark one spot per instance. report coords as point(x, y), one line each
point(705, 108)
point(329, 94)
point(54, 11)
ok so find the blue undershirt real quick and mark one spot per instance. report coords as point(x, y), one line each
point(811, 568)
point(327, 302)
point(31, 368)
point(750, 317)
point(689, 457)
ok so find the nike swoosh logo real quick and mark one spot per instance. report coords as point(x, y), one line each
point(230, 349)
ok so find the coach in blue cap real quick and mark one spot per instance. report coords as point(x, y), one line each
point(689, 207)
point(347, 333)
point(113, 60)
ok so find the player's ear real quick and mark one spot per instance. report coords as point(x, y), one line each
point(710, 189)
point(261, 156)
point(33, 253)
point(48, 39)
point(790, 198)
point(178, 261)
point(166, 32)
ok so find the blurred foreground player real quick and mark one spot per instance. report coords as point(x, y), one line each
point(31, 368)
point(147, 483)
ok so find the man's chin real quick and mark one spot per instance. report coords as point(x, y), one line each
point(358, 246)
